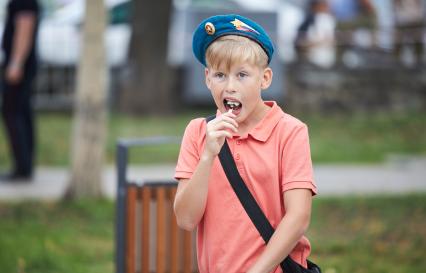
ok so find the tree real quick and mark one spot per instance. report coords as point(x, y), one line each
point(147, 88)
point(89, 128)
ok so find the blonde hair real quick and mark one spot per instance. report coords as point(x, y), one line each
point(232, 49)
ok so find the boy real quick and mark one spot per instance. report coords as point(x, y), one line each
point(270, 148)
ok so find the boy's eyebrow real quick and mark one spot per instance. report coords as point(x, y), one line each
point(239, 69)
point(242, 68)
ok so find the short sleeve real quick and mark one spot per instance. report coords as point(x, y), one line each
point(189, 154)
point(297, 171)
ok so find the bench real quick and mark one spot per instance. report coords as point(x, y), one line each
point(147, 236)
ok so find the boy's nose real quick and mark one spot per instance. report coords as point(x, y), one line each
point(230, 86)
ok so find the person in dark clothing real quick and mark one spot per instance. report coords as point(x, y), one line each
point(19, 69)
point(409, 18)
point(315, 41)
point(301, 37)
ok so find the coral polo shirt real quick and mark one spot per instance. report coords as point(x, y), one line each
point(272, 158)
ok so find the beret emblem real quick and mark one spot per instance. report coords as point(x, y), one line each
point(210, 29)
point(241, 26)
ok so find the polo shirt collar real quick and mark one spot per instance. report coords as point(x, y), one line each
point(263, 129)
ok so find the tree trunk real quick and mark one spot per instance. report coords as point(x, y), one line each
point(89, 128)
point(147, 89)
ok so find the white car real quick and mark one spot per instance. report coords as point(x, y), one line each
point(59, 37)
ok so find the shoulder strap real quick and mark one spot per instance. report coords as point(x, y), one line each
point(209, 118)
point(244, 195)
point(250, 205)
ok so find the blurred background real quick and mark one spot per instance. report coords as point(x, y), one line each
point(353, 70)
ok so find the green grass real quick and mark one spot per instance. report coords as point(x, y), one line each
point(377, 234)
point(366, 137)
point(63, 237)
point(344, 138)
point(374, 234)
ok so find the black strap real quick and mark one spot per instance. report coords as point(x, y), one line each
point(253, 210)
point(249, 203)
point(246, 198)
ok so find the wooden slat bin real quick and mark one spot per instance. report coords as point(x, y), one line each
point(147, 238)
point(154, 243)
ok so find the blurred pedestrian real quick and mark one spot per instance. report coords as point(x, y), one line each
point(315, 40)
point(18, 72)
point(354, 17)
point(409, 19)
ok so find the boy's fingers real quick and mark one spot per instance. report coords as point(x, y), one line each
point(231, 120)
point(218, 134)
point(230, 114)
point(223, 118)
point(223, 125)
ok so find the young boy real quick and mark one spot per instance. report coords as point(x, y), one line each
point(270, 148)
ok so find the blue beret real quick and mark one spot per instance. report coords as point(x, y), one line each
point(231, 24)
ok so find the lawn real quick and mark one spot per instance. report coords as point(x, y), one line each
point(376, 234)
point(357, 138)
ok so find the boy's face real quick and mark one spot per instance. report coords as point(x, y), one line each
point(238, 88)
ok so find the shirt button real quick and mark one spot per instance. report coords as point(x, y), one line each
point(238, 142)
point(237, 156)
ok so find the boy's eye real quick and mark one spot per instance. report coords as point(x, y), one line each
point(242, 74)
point(219, 75)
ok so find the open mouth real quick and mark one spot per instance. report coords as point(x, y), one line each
point(234, 105)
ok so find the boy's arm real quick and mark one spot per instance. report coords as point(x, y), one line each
point(191, 195)
point(292, 227)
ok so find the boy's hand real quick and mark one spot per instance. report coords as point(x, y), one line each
point(217, 130)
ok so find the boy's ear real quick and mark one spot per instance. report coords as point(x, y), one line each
point(267, 78)
point(206, 74)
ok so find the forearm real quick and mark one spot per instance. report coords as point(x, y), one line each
point(297, 203)
point(284, 239)
point(23, 38)
point(191, 197)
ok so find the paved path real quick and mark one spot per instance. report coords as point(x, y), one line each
point(396, 176)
